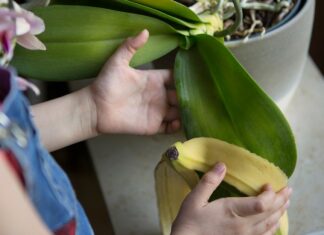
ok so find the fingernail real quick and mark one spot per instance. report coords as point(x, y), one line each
point(267, 187)
point(145, 31)
point(290, 190)
point(219, 168)
point(287, 204)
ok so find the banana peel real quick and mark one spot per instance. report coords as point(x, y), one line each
point(246, 171)
point(171, 189)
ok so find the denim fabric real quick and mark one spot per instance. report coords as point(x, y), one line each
point(46, 183)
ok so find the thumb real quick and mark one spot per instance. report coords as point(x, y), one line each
point(126, 51)
point(210, 181)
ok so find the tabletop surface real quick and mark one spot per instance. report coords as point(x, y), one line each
point(125, 166)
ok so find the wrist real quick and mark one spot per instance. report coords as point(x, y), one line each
point(182, 232)
point(72, 118)
point(86, 113)
point(179, 228)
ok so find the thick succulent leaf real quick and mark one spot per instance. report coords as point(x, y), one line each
point(80, 39)
point(202, 110)
point(172, 8)
point(143, 9)
point(97, 3)
point(137, 8)
point(219, 99)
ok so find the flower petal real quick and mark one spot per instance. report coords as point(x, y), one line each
point(37, 25)
point(5, 43)
point(24, 85)
point(30, 42)
point(22, 26)
point(25, 21)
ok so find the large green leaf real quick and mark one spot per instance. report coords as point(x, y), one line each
point(202, 110)
point(80, 39)
point(171, 7)
point(151, 11)
point(144, 9)
point(219, 99)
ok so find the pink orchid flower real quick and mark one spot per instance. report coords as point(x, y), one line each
point(18, 25)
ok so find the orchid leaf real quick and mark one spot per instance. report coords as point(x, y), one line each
point(82, 38)
point(219, 99)
point(172, 8)
point(148, 10)
point(137, 8)
point(202, 110)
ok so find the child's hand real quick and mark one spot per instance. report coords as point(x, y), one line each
point(229, 216)
point(120, 100)
point(134, 101)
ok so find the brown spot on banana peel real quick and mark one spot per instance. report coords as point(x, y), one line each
point(172, 153)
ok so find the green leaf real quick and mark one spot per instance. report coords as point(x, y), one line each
point(202, 110)
point(172, 8)
point(148, 10)
point(219, 99)
point(80, 39)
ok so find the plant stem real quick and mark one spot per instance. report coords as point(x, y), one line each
point(238, 20)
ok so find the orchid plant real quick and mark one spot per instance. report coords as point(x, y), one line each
point(18, 25)
point(211, 84)
point(217, 97)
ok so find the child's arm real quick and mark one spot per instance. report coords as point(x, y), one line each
point(229, 216)
point(17, 215)
point(65, 120)
point(121, 100)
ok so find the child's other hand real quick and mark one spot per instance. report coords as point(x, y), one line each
point(229, 216)
point(134, 101)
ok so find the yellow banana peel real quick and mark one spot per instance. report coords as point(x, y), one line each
point(176, 175)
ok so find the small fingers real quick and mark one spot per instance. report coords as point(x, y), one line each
point(273, 230)
point(170, 127)
point(268, 225)
point(165, 74)
point(172, 97)
point(126, 51)
point(281, 199)
point(172, 114)
point(200, 195)
point(267, 187)
point(252, 205)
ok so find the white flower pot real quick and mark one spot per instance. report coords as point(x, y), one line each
point(276, 61)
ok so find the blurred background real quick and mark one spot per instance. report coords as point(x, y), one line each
point(317, 44)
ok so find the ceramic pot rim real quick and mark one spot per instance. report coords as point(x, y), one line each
point(281, 28)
